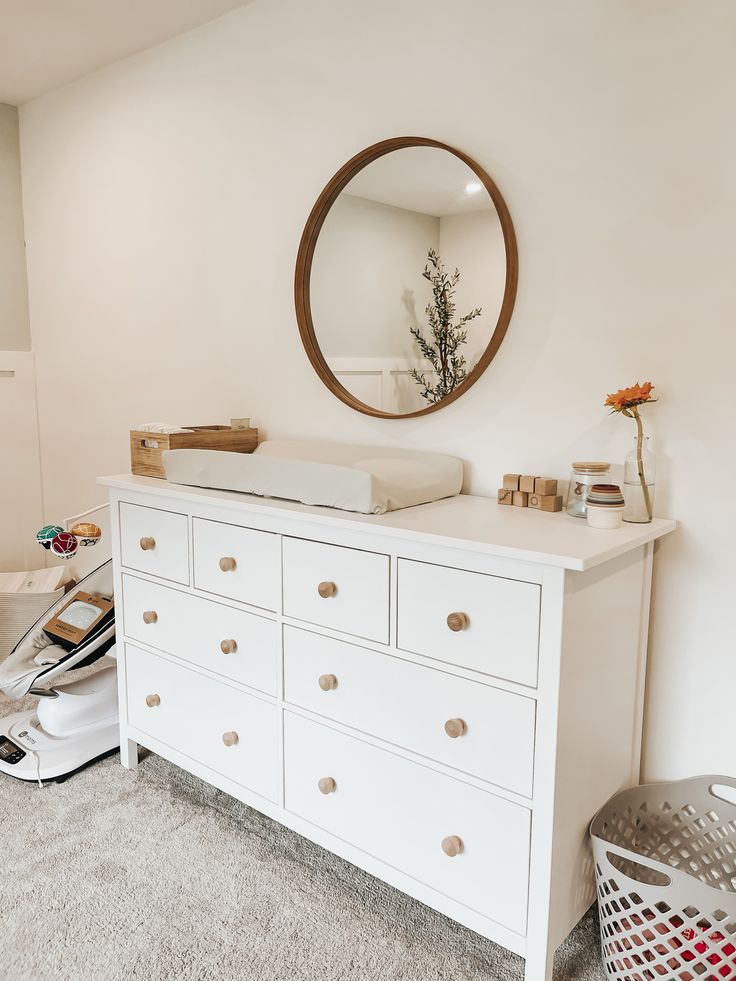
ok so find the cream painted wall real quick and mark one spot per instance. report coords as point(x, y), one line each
point(367, 287)
point(20, 478)
point(472, 242)
point(14, 331)
point(164, 200)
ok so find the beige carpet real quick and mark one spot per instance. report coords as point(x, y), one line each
point(156, 876)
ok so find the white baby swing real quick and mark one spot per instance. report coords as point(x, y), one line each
point(76, 723)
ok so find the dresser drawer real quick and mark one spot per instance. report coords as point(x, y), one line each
point(342, 588)
point(491, 732)
point(236, 562)
point(496, 620)
point(402, 812)
point(155, 541)
point(197, 716)
point(233, 643)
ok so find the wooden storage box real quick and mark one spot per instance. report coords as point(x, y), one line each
point(146, 461)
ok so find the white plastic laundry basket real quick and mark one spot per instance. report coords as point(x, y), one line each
point(665, 857)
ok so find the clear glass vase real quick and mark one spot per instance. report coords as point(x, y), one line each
point(639, 474)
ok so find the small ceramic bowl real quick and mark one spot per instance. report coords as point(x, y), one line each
point(605, 506)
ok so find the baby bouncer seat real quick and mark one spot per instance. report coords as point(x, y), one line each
point(73, 724)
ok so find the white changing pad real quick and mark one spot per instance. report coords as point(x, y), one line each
point(367, 479)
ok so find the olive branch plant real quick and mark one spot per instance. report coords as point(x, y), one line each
point(445, 338)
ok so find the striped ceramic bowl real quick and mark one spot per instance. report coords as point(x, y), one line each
point(606, 496)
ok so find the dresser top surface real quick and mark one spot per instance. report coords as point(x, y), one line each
point(477, 524)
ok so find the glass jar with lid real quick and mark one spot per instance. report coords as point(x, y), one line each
point(584, 475)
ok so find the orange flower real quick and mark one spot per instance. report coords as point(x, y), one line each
point(627, 398)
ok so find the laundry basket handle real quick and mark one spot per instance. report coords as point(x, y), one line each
point(707, 784)
point(726, 782)
point(643, 862)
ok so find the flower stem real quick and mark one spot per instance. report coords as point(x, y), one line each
point(640, 461)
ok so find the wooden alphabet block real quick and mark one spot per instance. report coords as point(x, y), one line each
point(511, 481)
point(544, 486)
point(521, 499)
point(505, 496)
point(527, 484)
point(546, 502)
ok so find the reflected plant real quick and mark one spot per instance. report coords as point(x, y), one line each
point(442, 348)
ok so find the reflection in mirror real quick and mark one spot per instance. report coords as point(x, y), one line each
point(408, 279)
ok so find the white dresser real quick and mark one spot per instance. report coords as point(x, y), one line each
point(442, 695)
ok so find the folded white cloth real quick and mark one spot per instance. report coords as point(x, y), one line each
point(164, 428)
point(24, 597)
point(161, 427)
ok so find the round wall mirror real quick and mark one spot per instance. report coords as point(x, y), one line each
point(405, 278)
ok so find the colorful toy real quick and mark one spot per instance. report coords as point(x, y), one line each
point(64, 545)
point(87, 533)
point(47, 533)
point(525, 491)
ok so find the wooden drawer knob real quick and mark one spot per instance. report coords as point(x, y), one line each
point(227, 563)
point(150, 616)
point(457, 621)
point(327, 682)
point(452, 846)
point(230, 738)
point(147, 544)
point(455, 728)
point(327, 785)
point(326, 589)
point(228, 646)
point(153, 701)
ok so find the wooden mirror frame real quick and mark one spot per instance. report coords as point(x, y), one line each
point(308, 244)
